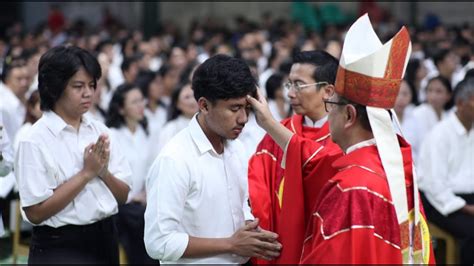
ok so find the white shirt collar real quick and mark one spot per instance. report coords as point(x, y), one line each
point(55, 123)
point(361, 144)
point(458, 126)
point(319, 123)
point(198, 136)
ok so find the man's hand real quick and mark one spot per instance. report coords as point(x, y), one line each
point(468, 209)
point(260, 107)
point(249, 241)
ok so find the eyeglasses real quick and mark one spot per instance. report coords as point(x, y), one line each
point(298, 87)
point(329, 105)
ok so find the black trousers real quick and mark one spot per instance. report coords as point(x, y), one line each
point(79, 244)
point(459, 224)
point(131, 226)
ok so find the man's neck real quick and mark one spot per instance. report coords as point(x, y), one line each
point(217, 141)
point(467, 123)
point(317, 115)
point(357, 136)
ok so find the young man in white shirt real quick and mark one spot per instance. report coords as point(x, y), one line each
point(70, 176)
point(13, 96)
point(447, 171)
point(197, 192)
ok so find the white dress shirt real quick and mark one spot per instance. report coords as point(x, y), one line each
point(251, 136)
point(51, 154)
point(13, 111)
point(156, 119)
point(418, 125)
point(447, 165)
point(7, 151)
point(193, 191)
point(135, 147)
point(169, 130)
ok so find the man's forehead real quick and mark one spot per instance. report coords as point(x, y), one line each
point(233, 101)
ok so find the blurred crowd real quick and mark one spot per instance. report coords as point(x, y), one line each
point(145, 96)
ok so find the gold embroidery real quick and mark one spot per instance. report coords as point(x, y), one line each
point(324, 137)
point(264, 151)
point(312, 156)
point(280, 191)
point(351, 228)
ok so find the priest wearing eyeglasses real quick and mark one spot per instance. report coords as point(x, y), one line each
point(369, 211)
point(311, 79)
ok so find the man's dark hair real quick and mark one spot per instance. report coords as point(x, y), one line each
point(274, 82)
point(440, 56)
point(326, 64)
point(222, 77)
point(57, 66)
point(464, 90)
point(128, 61)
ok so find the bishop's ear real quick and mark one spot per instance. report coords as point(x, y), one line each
point(351, 115)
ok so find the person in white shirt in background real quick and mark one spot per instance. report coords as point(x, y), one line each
point(446, 166)
point(279, 107)
point(128, 127)
point(71, 177)
point(197, 191)
point(182, 109)
point(403, 104)
point(6, 161)
point(426, 115)
point(13, 95)
point(444, 63)
point(151, 85)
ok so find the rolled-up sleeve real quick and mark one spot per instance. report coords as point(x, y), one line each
point(167, 187)
point(434, 176)
point(36, 181)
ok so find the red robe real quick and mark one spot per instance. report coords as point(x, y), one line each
point(354, 220)
point(269, 198)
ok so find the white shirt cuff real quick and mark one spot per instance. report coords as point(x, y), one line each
point(446, 207)
point(175, 247)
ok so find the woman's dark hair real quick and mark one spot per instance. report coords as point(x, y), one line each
point(144, 78)
point(274, 82)
point(326, 64)
point(30, 104)
point(173, 111)
point(447, 84)
point(410, 76)
point(57, 66)
point(114, 118)
point(222, 77)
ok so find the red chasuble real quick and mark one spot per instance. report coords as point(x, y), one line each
point(270, 199)
point(354, 220)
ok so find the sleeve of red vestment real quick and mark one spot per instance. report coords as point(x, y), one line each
point(292, 223)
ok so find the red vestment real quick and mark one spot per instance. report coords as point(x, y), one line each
point(354, 220)
point(284, 211)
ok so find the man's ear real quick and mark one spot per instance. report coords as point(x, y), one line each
point(350, 115)
point(328, 91)
point(203, 104)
